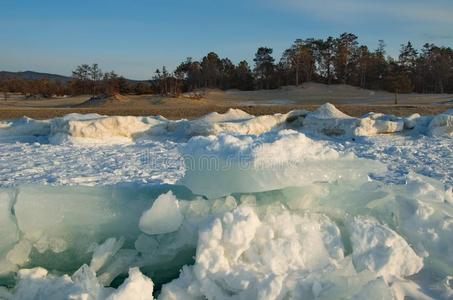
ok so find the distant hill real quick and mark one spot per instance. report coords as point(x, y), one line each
point(31, 75)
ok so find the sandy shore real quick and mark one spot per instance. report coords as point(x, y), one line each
point(351, 100)
point(194, 112)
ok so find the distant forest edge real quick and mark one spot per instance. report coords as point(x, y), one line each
point(333, 60)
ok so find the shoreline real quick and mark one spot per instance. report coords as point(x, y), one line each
point(174, 112)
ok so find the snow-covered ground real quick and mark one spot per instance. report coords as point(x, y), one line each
point(229, 206)
point(67, 164)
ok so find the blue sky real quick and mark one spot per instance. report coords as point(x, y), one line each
point(135, 37)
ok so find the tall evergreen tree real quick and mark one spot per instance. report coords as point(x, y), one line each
point(211, 66)
point(264, 67)
point(346, 47)
point(244, 77)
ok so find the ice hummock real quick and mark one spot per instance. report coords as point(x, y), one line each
point(270, 161)
point(281, 212)
point(361, 241)
point(326, 120)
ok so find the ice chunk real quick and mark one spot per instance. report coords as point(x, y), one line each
point(235, 121)
point(411, 121)
point(104, 252)
point(136, 286)
point(374, 290)
point(20, 253)
point(428, 225)
point(164, 216)
point(271, 161)
point(446, 287)
point(426, 189)
point(8, 228)
point(119, 264)
point(405, 289)
point(68, 220)
point(249, 257)
point(328, 120)
point(100, 130)
point(25, 127)
point(185, 287)
point(37, 283)
point(442, 124)
point(373, 124)
point(380, 249)
point(255, 126)
point(290, 242)
point(85, 278)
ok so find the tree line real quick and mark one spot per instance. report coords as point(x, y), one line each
point(86, 80)
point(331, 61)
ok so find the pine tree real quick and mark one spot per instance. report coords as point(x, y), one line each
point(264, 66)
point(346, 46)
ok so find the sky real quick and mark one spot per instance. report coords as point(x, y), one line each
point(137, 36)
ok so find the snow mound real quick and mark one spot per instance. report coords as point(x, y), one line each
point(231, 114)
point(329, 111)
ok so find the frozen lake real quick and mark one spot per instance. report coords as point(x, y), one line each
point(304, 205)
